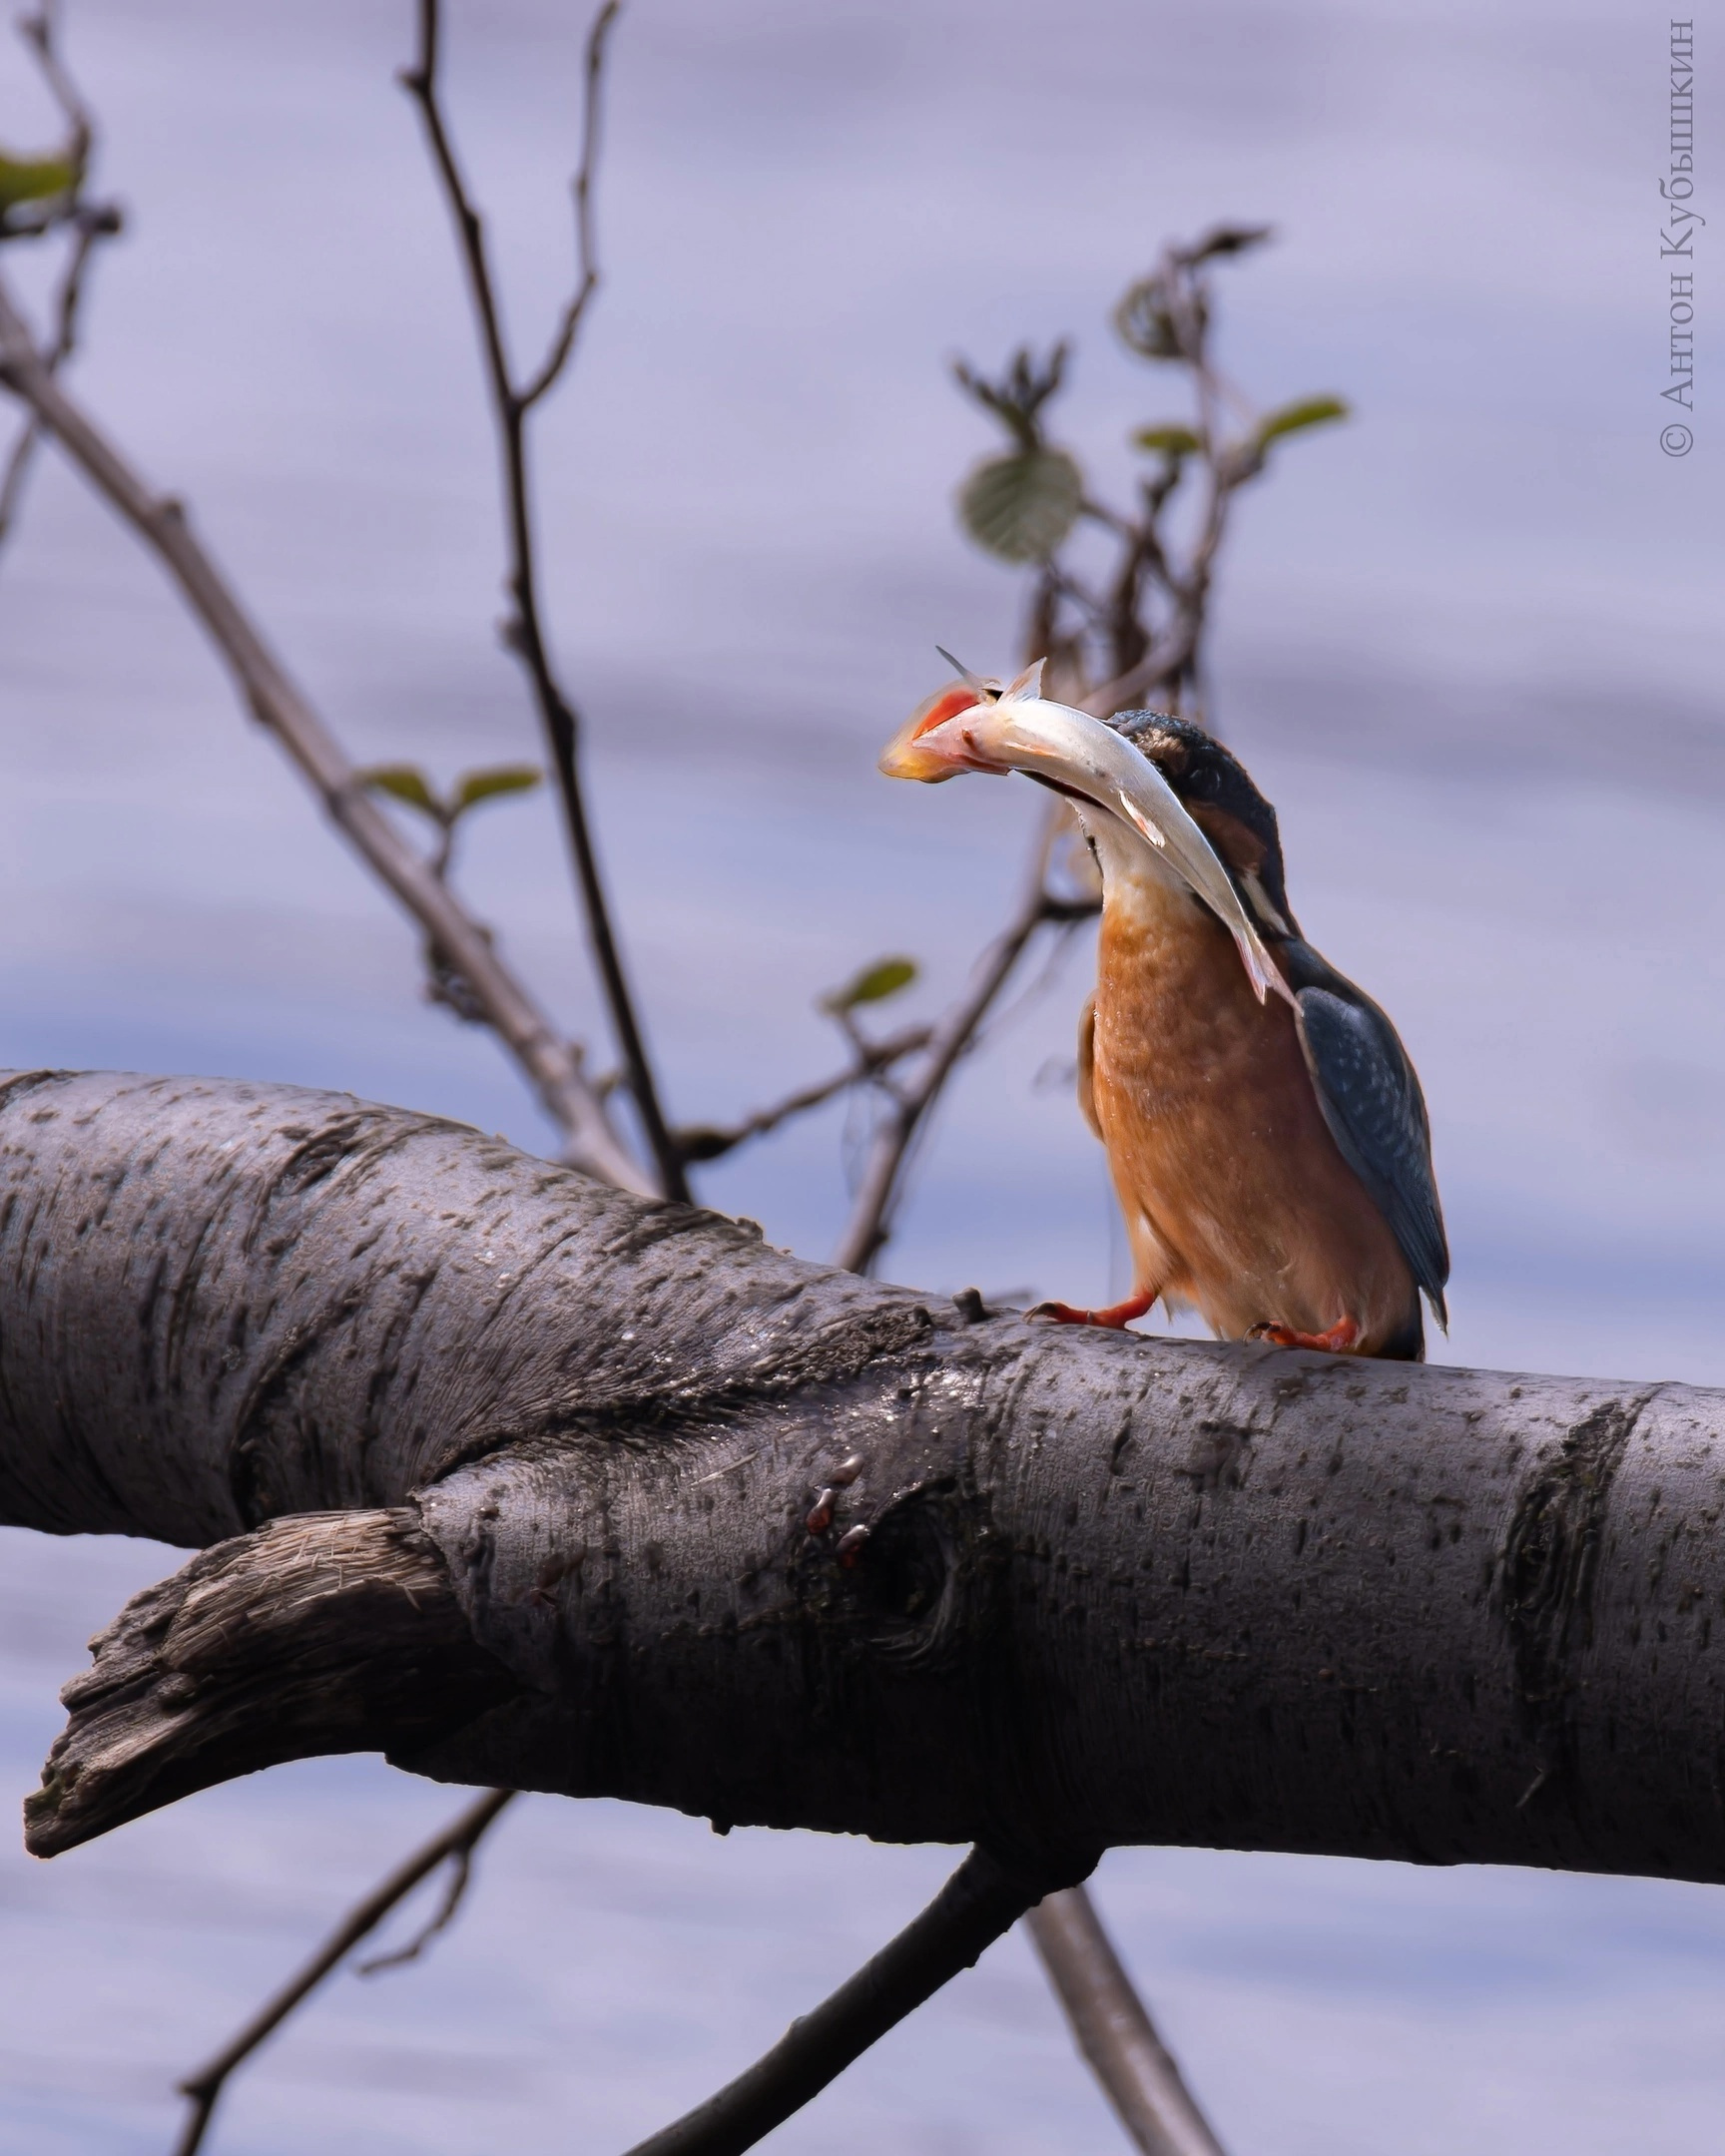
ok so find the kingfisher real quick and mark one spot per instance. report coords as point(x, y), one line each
point(1265, 1132)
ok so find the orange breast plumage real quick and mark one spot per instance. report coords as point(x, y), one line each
point(1236, 1195)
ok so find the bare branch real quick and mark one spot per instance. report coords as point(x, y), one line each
point(40, 32)
point(586, 253)
point(551, 1064)
point(1167, 660)
point(882, 1182)
point(1114, 2032)
point(1166, 317)
point(705, 1142)
point(90, 222)
point(982, 1900)
point(524, 634)
point(456, 1845)
point(91, 225)
point(454, 1893)
point(1017, 399)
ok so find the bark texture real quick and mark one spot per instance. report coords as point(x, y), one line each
point(1112, 1589)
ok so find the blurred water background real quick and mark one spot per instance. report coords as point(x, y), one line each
point(1470, 644)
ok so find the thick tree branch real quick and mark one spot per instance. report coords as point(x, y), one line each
point(1105, 1589)
point(551, 1065)
point(524, 633)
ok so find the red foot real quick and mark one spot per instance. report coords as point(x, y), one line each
point(1116, 1316)
point(1337, 1341)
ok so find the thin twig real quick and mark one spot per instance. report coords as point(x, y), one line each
point(979, 1904)
point(1104, 649)
point(90, 222)
point(92, 225)
point(40, 32)
point(1115, 2030)
point(524, 633)
point(455, 1844)
point(882, 1182)
point(439, 1920)
point(586, 253)
point(551, 1064)
point(709, 1142)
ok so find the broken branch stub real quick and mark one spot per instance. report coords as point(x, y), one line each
point(1082, 1589)
point(325, 1632)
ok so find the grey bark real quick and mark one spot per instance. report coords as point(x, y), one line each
point(1113, 1589)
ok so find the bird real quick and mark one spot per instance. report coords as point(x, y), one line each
point(1265, 1128)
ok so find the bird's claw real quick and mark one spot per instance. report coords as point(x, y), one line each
point(1115, 1317)
point(1340, 1339)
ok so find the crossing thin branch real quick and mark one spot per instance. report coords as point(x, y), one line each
point(524, 634)
point(454, 1846)
point(981, 1901)
point(880, 1187)
point(1113, 2030)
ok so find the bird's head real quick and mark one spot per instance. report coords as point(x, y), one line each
point(1221, 801)
point(1118, 789)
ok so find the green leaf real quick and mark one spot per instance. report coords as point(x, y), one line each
point(1020, 507)
point(404, 783)
point(25, 179)
point(477, 786)
point(1308, 412)
point(1171, 442)
point(872, 985)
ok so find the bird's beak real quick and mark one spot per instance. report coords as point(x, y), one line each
point(912, 753)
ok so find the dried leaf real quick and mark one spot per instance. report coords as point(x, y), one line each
point(1022, 507)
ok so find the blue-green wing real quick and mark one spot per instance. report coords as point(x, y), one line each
point(1372, 1101)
